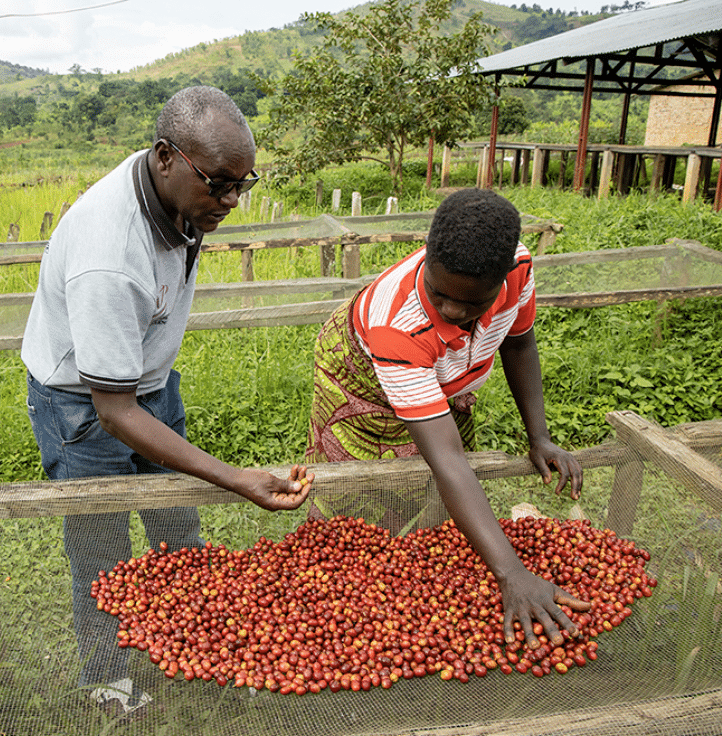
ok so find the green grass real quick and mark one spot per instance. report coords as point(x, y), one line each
point(247, 395)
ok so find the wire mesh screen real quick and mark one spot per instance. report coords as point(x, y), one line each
point(341, 627)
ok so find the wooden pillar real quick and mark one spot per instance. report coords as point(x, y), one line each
point(246, 265)
point(430, 162)
point(657, 173)
point(502, 153)
point(514, 177)
point(605, 177)
point(46, 226)
point(265, 207)
point(356, 204)
point(525, 166)
point(327, 255)
point(626, 492)
point(351, 259)
point(537, 169)
point(562, 169)
point(445, 167)
point(581, 162)
point(593, 172)
point(492, 142)
point(481, 170)
point(336, 200)
point(319, 192)
point(718, 191)
point(691, 179)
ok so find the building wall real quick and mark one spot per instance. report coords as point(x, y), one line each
point(678, 121)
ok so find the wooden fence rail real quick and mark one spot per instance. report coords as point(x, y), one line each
point(325, 293)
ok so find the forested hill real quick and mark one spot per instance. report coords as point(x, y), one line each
point(268, 53)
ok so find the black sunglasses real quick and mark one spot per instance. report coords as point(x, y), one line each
point(219, 189)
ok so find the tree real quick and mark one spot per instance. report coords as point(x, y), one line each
point(379, 81)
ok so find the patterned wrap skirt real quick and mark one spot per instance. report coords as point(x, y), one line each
point(351, 418)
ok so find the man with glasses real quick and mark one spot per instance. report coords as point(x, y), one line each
point(114, 294)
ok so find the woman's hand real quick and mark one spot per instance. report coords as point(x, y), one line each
point(545, 455)
point(528, 598)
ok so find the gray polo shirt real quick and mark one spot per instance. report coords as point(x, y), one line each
point(115, 290)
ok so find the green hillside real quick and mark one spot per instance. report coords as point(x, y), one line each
point(270, 53)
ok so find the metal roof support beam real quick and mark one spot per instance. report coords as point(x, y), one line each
point(714, 122)
point(493, 133)
point(581, 162)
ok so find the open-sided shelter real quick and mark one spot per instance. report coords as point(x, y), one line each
point(652, 51)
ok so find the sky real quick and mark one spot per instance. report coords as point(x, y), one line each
point(118, 35)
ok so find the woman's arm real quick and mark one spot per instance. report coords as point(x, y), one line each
point(526, 597)
point(520, 358)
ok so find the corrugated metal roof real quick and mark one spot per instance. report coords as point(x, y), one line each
point(637, 29)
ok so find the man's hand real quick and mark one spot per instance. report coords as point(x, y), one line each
point(274, 494)
point(545, 454)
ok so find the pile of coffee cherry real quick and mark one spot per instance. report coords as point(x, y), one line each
point(344, 605)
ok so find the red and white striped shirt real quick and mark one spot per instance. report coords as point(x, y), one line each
point(422, 361)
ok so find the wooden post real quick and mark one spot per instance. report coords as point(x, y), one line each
point(63, 209)
point(580, 164)
point(493, 134)
point(13, 232)
point(277, 211)
point(691, 179)
point(265, 207)
point(514, 178)
point(525, 154)
point(657, 173)
point(562, 169)
point(445, 167)
point(546, 238)
point(502, 153)
point(245, 201)
point(46, 226)
point(351, 259)
point(392, 205)
point(593, 172)
point(537, 169)
point(319, 192)
point(327, 253)
point(481, 171)
point(336, 200)
point(430, 162)
point(673, 457)
point(718, 191)
point(356, 204)
point(626, 492)
point(247, 265)
point(605, 177)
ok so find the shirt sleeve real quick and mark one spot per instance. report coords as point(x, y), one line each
point(109, 314)
point(404, 365)
point(521, 281)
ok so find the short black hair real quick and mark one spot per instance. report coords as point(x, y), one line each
point(475, 232)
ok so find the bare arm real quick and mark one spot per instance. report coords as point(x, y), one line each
point(520, 358)
point(526, 597)
point(122, 417)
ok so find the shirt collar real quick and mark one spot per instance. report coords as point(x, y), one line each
point(445, 331)
point(165, 231)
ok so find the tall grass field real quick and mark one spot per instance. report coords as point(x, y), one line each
point(247, 392)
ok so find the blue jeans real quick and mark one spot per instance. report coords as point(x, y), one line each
point(73, 445)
